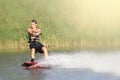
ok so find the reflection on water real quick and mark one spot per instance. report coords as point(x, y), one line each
point(37, 75)
point(67, 66)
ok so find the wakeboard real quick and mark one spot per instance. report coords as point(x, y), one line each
point(34, 65)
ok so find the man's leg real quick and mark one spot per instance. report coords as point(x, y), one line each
point(32, 54)
point(45, 52)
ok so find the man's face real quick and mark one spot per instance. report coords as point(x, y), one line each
point(33, 25)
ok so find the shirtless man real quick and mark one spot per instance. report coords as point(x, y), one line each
point(34, 44)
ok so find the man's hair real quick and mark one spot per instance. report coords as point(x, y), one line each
point(34, 21)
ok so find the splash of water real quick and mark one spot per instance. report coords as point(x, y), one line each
point(96, 61)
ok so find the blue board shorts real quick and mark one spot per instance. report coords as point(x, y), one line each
point(37, 46)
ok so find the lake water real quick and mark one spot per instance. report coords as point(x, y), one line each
point(84, 65)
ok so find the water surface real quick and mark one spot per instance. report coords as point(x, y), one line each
point(84, 65)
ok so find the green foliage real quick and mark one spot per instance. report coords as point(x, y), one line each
point(58, 20)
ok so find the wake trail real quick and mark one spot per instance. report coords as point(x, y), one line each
point(96, 61)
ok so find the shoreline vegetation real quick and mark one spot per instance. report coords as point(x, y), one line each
point(70, 45)
point(66, 25)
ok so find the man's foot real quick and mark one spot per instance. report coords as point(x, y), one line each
point(32, 60)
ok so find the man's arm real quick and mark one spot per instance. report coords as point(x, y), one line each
point(30, 31)
point(38, 32)
point(34, 33)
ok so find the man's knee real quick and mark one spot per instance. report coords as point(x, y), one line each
point(44, 48)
